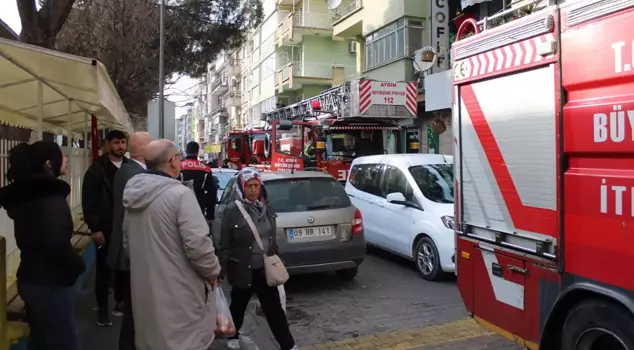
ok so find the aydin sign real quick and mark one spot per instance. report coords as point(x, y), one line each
point(440, 33)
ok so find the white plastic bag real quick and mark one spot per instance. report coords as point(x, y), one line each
point(282, 291)
point(225, 327)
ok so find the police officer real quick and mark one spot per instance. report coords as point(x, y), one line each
point(201, 180)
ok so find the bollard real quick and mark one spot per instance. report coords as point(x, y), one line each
point(4, 342)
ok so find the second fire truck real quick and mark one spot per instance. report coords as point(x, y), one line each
point(329, 130)
point(544, 162)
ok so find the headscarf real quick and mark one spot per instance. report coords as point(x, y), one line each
point(244, 176)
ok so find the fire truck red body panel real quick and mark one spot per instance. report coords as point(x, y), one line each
point(544, 137)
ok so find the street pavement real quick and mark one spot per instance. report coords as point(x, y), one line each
point(388, 306)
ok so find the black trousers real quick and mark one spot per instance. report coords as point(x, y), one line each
point(51, 316)
point(271, 306)
point(102, 280)
point(126, 334)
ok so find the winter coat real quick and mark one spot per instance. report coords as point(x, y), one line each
point(43, 227)
point(96, 195)
point(171, 262)
point(236, 245)
point(116, 258)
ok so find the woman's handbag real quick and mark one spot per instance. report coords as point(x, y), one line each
point(274, 268)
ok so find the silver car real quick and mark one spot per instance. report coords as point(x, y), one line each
point(222, 177)
point(318, 228)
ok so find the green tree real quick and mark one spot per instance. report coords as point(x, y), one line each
point(124, 36)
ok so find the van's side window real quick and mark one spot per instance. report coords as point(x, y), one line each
point(367, 178)
point(396, 181)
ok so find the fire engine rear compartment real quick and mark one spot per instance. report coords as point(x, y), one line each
point(515, 264)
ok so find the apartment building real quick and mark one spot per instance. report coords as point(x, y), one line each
point(179, 125)
point(292, 55)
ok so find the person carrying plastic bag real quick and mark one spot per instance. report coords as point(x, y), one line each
point(225, 327)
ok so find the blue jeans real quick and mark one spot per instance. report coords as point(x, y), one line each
point(51, 316)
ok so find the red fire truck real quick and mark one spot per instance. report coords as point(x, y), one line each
point(329, 130)
point(544, 139)
point(243, 146)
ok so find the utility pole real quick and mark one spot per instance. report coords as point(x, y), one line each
point(161, 72)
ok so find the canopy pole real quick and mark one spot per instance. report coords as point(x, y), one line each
point(40, 115)
point(85, 130)
point(69, 139)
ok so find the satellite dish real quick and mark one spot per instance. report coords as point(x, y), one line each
point(333, 4)
point(424, 59)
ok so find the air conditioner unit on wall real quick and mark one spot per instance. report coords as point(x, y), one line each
point(352, 47)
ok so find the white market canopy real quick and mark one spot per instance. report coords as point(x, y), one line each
point(56, 90)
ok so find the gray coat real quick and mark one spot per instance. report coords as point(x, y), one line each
point(172, 264)
point(117, 260)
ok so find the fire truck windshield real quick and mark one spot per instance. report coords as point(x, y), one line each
point(356, 143)
point(297, 142)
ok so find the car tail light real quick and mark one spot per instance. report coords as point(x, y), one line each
point(357, 223)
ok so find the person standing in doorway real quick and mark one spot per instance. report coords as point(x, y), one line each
point(117, 260)
point(96, 195)
point(43, 224)
point(172, 261)
point(202, 182)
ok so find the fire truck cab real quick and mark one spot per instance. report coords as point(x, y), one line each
point(544, 146)
point(243, 146)
point(328, 131)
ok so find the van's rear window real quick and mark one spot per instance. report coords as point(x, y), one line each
point(294, 195)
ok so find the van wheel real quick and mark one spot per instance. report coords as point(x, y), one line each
point(598, 324)
point(347, 274)
point(427, 260)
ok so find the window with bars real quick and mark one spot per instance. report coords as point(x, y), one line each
point(395, 41)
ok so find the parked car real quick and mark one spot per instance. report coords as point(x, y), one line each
point(318, 228)
point(222, 177)
point(408, 206)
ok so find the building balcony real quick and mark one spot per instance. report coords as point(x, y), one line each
point(286, 2)
point(234, 99)
point(233, 68)
point(347, 19)
point(295, 75)
point(220, 85)
point(297, 24)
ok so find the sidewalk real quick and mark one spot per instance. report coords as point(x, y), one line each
point(256, 331)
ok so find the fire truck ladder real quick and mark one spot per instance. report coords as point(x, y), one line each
point(333, 101)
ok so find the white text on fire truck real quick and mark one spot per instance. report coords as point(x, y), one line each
point(616, 123)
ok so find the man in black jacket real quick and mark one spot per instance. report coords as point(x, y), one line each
point(203, 183)
point(117, 259)
point(96, 194)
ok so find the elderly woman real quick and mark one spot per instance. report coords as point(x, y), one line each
point(242, 259)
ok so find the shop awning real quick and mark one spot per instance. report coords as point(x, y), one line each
point(61, 89)
point(361, 127)
point(466, 3)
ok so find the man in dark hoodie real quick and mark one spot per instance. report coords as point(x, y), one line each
point(96, 194)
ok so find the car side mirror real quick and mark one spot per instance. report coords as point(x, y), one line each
point(396, 198)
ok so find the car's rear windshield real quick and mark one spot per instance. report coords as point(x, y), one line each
point(294, 195)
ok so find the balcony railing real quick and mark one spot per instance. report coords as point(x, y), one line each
point(341, 13)
point(220, 81)
point(312, 20)
point(218, 110)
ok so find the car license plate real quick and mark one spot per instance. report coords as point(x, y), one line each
point(310, 232)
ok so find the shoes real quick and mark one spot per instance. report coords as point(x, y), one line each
point(103, 317)
point(233, 344)
point(118, 309)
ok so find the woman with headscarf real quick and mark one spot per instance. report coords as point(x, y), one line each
point(49, 266)
point(242, 259)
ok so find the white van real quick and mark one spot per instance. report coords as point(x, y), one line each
point(407, 205)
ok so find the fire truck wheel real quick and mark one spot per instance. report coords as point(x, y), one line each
point(598, 324)
point(427, 259)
